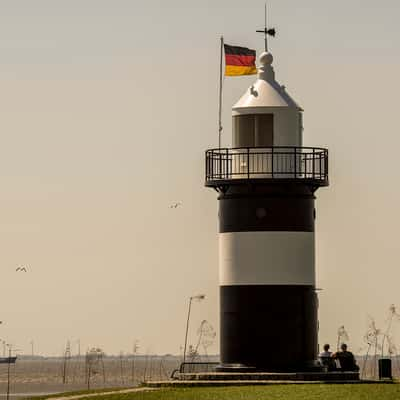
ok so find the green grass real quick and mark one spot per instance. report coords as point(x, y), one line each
point(272, 392)
point(78, 392)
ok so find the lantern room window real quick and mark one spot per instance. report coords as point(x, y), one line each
point(255, 130)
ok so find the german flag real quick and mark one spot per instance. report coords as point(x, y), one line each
point(239, 61)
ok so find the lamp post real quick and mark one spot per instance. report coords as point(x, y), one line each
point(8, 371)
point(10, 350)
point(199, 297)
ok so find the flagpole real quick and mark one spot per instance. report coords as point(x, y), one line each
point(220, 94)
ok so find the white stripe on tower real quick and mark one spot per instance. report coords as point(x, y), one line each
point(266, 258)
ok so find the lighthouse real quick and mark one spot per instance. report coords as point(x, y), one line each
point(266, 184)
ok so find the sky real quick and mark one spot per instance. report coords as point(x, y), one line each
point(106, 109)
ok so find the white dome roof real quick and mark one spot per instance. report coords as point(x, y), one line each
point(265, 92)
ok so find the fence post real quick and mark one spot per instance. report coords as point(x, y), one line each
point(305, 164)
point(220, 164)
point(320, 165)
point(227, 164)
point(272, 162)
point(326, 172)
point(248, 163)
point(211, 165)
point(295, 162)
point(313, 163)
point(206, 165)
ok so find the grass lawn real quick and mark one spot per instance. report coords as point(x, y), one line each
point(78, 392)
point(272, 392)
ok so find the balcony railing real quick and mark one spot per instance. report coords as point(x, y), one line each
point(296, 163)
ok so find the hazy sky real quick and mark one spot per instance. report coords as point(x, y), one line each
point(106, 108)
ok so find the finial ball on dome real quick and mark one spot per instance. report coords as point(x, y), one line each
point(266, 58)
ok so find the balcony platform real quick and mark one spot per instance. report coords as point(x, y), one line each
point(266, 165)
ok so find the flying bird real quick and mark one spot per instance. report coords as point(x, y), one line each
point(175, 205)
point(21, 269)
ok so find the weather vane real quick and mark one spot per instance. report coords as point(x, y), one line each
point(267, 31)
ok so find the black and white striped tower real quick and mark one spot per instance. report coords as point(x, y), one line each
point(266, 184)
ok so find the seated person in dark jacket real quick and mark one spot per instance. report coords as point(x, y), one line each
point(346, 359)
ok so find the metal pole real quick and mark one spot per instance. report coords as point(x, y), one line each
point(89, 373)
point(121, 367)
point(265, 28)
point(187, 329)
point(227, 172)
point(248, 163)
point(8, 373)
point(104, 371)
point(272, 162)
point(133, 360)
point(220, 94)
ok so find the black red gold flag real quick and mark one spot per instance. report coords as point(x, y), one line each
point(239, 61)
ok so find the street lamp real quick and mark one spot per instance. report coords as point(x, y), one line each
point(199, 297)
point(10, 350)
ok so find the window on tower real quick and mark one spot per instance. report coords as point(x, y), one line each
point(255, 130)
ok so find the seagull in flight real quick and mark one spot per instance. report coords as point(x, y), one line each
point(21, 269)
point(175, 205)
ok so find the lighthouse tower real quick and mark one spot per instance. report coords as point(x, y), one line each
point(266, 186)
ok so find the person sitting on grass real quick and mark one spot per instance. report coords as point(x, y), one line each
point(326, 358)
point(346, 359)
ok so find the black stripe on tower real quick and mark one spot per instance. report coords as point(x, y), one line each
point(271, 328)
point(245, 210)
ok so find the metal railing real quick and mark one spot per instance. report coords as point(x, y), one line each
point(194, 367)
point(298, 163)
